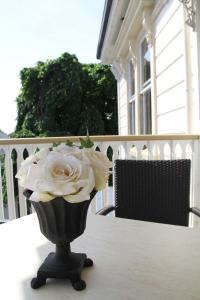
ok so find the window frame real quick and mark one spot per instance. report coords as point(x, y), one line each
point(131, 97)
point(144, 90)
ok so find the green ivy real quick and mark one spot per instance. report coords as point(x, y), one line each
point(62, 97)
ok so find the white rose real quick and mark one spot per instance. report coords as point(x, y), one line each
point(59, 175)
point(23, 171)
point(42, 154)
point(25, 165)
point(100, 165)
point(69, 150)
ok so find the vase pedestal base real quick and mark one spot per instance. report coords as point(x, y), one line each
point(67, 266)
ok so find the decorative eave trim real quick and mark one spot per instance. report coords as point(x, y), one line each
point(119, 67)
point(190, 9)
point(133, 17)
point(132, 51)
point(147, 24)
point(115, 69)
point(134, 10)
point(123, 65)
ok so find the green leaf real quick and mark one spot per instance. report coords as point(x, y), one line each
point(56, 144)
point(66, 96)
point(86, 142)
point(69, 143)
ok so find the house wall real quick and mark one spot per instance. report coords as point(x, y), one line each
point(175, 80)
point(170, 69)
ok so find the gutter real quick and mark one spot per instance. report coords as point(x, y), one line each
point(104, 23)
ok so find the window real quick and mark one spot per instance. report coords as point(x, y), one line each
point(132, 97)
point(145, 113)
point(145, 90)
point(146, 68)
point(132, 117)
point(132, 78)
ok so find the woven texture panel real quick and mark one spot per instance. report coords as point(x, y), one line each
point(156, 191)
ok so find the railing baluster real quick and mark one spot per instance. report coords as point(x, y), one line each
point(22, 199)
point(9, 183)
point(140, 146)
point(1, 195)
point(196, 173)
point(104, 150)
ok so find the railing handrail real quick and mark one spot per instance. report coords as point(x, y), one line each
point(99, 138)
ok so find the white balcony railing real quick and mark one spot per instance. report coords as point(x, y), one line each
point(13, 204)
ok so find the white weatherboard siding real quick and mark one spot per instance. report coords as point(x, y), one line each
point(172, 122)
point(170, 70)
point(166, 57)
point(122, 112)
point(169, 101)
point(171, 77)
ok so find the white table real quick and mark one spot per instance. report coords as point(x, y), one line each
point(132, 260)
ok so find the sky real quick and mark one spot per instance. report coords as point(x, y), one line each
point(37, 30)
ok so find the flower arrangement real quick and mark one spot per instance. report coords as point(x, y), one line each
point(67, 171)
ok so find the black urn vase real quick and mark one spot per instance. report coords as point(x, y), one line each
point(61, 222)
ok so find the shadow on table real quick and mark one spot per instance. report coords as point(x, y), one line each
point(52, 286)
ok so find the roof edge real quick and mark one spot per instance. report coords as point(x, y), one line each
point(104, 23)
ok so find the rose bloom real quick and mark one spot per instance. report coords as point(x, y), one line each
point(69, 150)
point(57, 174)
point(100, 165)
point(26, 164)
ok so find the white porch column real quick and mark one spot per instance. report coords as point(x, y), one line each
point(117, 72)
point(198, 48)
point(192, 8)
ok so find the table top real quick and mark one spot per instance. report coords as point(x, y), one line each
point(132, 260)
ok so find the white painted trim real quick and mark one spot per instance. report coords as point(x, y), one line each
point(137, 95)
point(153, 88)
point(131, 98)
point(105, 48)
point(158, 8)
point(142, 89)
point(129, 76)
point(133, 16)
point(188, 83)
point(118, 93)
point(198, 48)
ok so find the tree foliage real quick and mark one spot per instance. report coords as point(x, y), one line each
point(64, 97)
